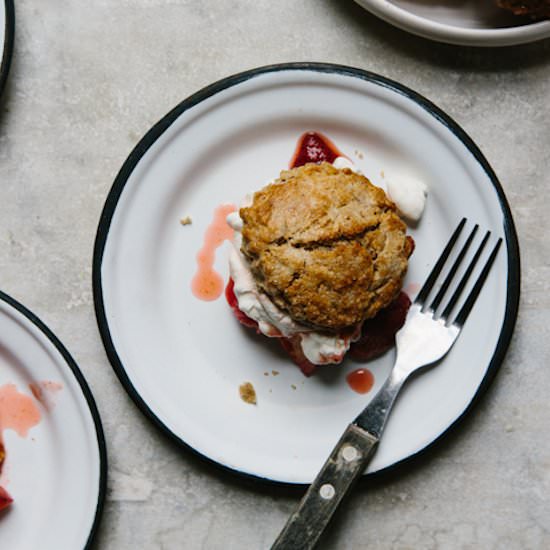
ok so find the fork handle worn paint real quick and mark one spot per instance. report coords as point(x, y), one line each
point(344, 466)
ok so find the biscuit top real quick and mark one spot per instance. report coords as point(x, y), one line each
point(326, 246)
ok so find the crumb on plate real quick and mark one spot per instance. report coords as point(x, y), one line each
point(186, 220)
point(248, 393)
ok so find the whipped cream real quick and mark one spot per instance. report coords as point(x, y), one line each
point(409, 195)
point(343, 162)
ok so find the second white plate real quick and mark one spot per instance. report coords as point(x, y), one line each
point(467, 23)
point(57, 474)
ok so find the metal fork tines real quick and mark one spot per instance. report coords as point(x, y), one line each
point(423, 294)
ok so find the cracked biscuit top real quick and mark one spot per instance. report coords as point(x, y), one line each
point(326, 246)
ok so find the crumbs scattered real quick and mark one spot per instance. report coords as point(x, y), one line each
point(186, 221)
point(293, 386)
point(275, 372)
point(248, 393)
point(382, 175)
point(358, 154)
point(266, 373)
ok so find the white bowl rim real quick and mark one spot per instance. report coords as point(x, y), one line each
point(452, 34)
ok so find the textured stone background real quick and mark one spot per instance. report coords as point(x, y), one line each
point(89, 78)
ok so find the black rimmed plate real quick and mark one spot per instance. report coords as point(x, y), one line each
point(182, 359)
point(7, 29)
point(57, 474)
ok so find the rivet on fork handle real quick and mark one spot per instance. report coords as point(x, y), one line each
point(344, 466)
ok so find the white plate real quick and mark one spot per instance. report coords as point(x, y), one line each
point(182, 359)
point(7, 24)
point(468, 22)
point(57, 474)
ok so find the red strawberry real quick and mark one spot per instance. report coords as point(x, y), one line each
point(5, 499)
point(314, 147)
point(412, 244)
point(234, 305)
point(294, 349)
point(378, 334)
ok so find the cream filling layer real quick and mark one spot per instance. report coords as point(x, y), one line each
point(319, 348)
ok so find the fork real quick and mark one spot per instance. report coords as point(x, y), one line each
point(425, 338)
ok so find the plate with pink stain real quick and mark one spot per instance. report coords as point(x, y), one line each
point(163, 298)
point(52, 450)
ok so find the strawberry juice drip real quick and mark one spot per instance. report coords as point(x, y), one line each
point(18, 411)
point(207, 284)
point(360, 380)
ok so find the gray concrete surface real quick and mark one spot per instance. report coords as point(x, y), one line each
point(89, 78)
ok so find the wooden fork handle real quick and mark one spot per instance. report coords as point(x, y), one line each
point(344, 466)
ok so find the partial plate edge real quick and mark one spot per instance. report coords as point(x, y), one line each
point(450, 34)
point(9, 34)
point(90, 401)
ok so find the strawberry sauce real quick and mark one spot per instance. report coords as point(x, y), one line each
point(314, 147)
point(360, 380)
point(207, 284)
point(17, 411)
